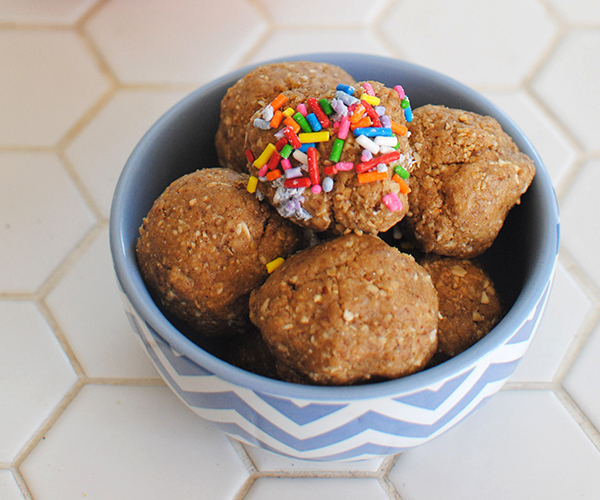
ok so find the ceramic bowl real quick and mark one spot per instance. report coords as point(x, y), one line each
point(334, 423)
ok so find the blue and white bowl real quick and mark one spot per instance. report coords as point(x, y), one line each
point(334, 423)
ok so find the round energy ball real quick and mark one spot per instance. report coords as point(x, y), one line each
point(357, 189)
point(469, 304)
point(349, 310)
point(468, 175)
point(204, 246)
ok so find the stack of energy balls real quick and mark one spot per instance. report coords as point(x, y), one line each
point(276, 252)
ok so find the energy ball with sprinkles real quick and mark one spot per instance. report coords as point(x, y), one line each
point(333, 162)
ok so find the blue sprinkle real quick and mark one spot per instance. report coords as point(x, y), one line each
point(347, 89)
point(314, 123)
point(373, 131)
point(407, 114)
point(306, 145)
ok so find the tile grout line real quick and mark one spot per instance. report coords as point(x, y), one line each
point(21, 483)
point(54, 415)
point(246, 57)
point(579, 416)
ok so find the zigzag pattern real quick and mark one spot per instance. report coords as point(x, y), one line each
point(336, 430)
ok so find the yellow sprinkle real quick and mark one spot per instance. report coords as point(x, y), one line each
point(371, 99)
point(288, 112)
point(274, 264)
point(264, 157)
point(308, 137)
point(252, 184)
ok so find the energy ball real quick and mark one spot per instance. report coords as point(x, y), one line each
point(204, 246)
point(256, 90)
point(468, 301)
point(468, 175)
point(349, 310)
point(351, 183)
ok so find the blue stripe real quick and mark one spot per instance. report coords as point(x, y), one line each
point(300, 415)
point(430, 400)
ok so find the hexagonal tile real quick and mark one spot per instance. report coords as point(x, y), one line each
point(556, 151)
point(521, 445)
point(578, 11)
point(132, 442)
point(176, 41)
point(572, 93)
point(578, 208)
point(327, 14)
point(63, 12)
point(87, 306)
point(9, 489)
point(266, 461)
point(35, 375)
point(42, 217)
point(100, 151)
point(567, 308)
point(478, 43)
point(330, 488)
point(52, 81)
point(289, 41)
point(583, 380)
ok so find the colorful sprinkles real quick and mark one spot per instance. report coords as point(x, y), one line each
point(316, 121)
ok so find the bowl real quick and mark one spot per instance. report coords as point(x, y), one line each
point(334, 423)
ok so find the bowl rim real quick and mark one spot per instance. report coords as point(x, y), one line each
point(530, 296)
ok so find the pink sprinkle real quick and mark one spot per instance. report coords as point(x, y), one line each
point(366, 155)
point(285, 163)
point(336, 126)
point(263, 171)
point(301, 108)
point(344, 127)
point(392, 201)
point(400, 90)
point(368, 88)
point(344, 165)
point(316, 189)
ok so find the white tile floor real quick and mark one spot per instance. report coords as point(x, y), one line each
point(82, 412)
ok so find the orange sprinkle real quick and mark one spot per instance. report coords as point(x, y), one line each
point(371, 177)
point(399, 129)
point(290, 122)
point(273, 174)
point(363, 122)
point(277, 119)
point(357, 114)
point(278, 102)
point(404, 189)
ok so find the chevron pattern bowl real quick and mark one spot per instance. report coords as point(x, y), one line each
point(334, 423)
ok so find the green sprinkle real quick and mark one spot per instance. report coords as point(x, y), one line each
point(398, 169)
point(286, 151)
point(336, 150)
point(405, 103)
point(300, 120)
point(325, 106)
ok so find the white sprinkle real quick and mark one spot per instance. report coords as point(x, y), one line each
point(300, 156)
point(368, 144)
point(327, 184)
point(386, 141)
